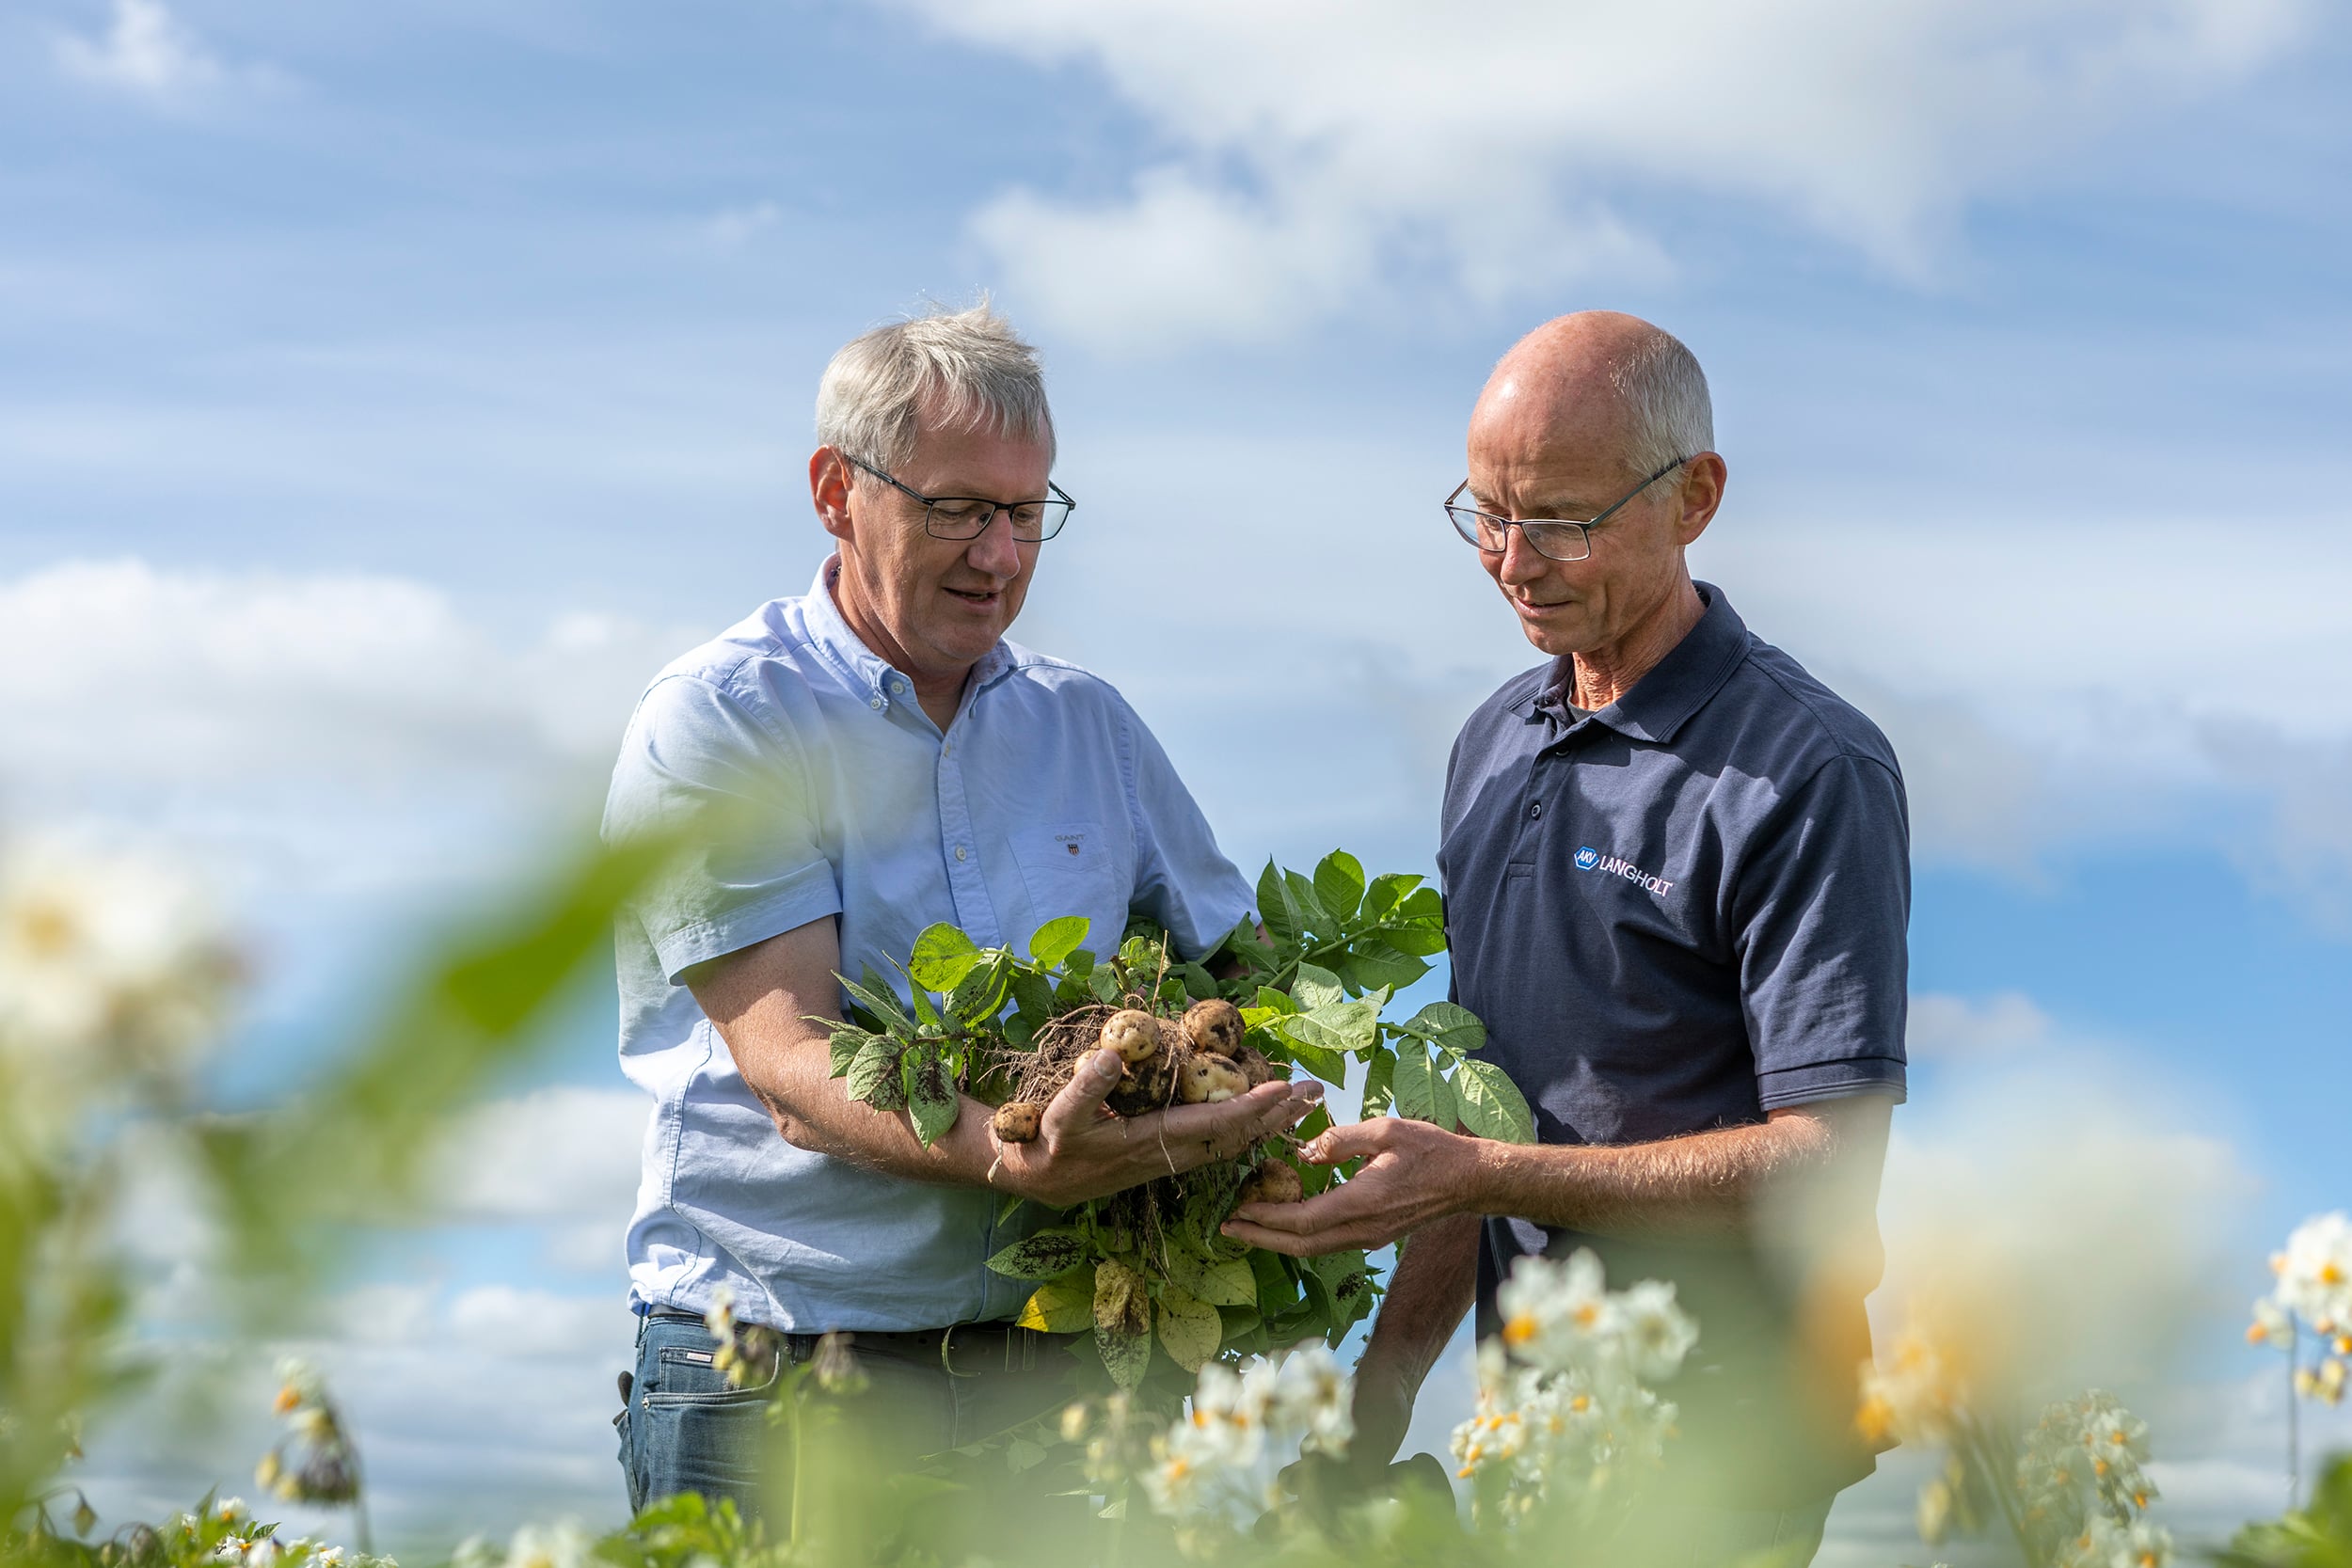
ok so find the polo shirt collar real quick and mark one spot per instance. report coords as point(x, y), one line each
point(1662, 701)
point(862, 668)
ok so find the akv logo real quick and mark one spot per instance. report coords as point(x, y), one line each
point(1590, 859)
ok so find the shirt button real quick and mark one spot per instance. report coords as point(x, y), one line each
point(876, 705)
point(960, 851)
point(1534, 810)
point(897, 688)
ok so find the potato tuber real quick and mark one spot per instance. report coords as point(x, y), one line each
point(1148, 1086)
point(1017, 1121)
point(1273, 1182)
point(1214, 1025)
point(1206, 1080)
point(1254, 1065)
point(1134, 1034)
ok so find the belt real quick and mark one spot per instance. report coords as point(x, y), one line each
point(964, 1350)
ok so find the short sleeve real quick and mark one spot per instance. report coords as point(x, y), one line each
point(695, 763)
point(1183, 879)
point(1822, 902)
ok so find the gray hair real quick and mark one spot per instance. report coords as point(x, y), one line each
point(967, 368)
point(1665, 392)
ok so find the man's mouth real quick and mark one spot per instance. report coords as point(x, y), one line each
point(977, 595)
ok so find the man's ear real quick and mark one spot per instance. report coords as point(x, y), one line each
point(1703, 481)
point(829, 480)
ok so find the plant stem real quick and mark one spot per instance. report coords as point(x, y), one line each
point(2295, 1435)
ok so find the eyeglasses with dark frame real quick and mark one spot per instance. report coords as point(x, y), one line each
point(1553, 538)
point(969, 516)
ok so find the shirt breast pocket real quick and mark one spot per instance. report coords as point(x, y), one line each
point(1075, 868)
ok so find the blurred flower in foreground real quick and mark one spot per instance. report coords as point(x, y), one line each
point(559, 1546)
point(1216, 1465)
point(106, 955)
point(1562, 1405)
point(315, 1462)
point(2072, 1490)
point(2313, 1293)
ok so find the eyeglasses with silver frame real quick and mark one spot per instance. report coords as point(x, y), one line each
point(969, 516)
point(1553, 538)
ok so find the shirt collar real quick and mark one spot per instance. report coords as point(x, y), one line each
point(864, 670)
point(1662, 701)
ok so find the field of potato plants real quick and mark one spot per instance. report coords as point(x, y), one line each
point(1221, 1427)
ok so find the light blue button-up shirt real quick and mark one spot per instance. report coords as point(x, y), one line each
point(1045, 796)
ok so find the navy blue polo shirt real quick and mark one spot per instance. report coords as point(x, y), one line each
point(1679, 913)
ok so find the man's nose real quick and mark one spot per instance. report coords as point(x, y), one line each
point(1521, 560)
point(993, 550)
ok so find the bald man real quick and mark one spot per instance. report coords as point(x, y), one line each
point(1677, 878)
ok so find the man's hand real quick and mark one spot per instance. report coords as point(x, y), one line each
point(1414, 1173)
point(1084, 1150)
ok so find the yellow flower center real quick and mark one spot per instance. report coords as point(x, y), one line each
point(2329, 1274)
point(1518, 1330)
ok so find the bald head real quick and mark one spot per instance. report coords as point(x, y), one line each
point(1598, 385)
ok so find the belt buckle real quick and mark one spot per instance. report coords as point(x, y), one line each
point(946, 1352)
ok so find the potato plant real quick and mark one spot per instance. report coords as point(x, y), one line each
point(1301, 988)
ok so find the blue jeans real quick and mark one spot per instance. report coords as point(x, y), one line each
point(685, 1430)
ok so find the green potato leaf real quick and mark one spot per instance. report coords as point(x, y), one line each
point(1190, 1329)
point(981, 994)
point(1451, 1028)
point(1311, 913)
point(1127, 1356)
point(1340, 884)
point(1278, 907)
point(1048, 1255)
point(1275, 1001)
point(1411, 1079)
point(1490, 1105)
point(1387, 892)
point(1064, 1305)
point(847, 1041)
point(1051, 944)
point(875, 1066)
point(1317, 987)
point(875, 994)
point(1380, 1083)
point(1227, 1284)
point(1372, 963)
point(932, 1102)
point(943, 956)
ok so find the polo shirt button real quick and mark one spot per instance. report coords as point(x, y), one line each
point(876, 705)
point(959, 851)
point(1534, 810)
point(897, 688)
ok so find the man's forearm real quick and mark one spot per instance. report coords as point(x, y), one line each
point(1435, 1283)
point(1705, 1184)
point(813, 1111)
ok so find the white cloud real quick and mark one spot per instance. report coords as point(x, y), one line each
point(1955, 1026)
point(145, 50)
point(1324, 147)
point(316, 730)
point(506, 1320)
point(565, 1154)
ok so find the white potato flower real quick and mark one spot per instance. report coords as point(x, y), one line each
point(559, 1546)
point(109, 953)
point(2315, 1273)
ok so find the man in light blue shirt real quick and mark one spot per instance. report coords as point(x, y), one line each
point(879, 758)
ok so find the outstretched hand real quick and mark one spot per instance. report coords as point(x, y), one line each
point(1413, 1172)
point(1085, 1150)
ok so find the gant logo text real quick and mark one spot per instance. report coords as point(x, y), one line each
point(1590, 859)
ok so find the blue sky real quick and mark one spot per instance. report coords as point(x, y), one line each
point(385, 394)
